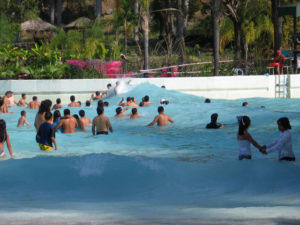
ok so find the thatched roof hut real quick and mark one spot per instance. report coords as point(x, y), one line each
point(81, 22)
point(36, 25)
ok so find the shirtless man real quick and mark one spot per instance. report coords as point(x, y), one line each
point(73, 103)
point(83, 121)
point(134, 114)
point(11, 98)
point(57, 105)
point(161, 119)
point(96, 96)
point(34, 104)
point(23, 120)
point(101, 123)
point(3, 107)
point(22, 102)
point(130, 102)
point(120, 112)
point(145, 101)
point(68, 123)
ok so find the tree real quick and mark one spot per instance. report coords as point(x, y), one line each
point(52, 11)
point(215, 9)
point(277, 22)
point(145, 19)
point(59, 9)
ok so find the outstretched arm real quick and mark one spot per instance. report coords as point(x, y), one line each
point(170, 119)
point(153, 122)
point(249, 137)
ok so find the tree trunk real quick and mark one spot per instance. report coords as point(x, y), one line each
point(98, 8)
point(238, 41)
point(145, 25)
point(215, 7)
point(246, 57)
point(186, 15)
point(52, 11)
point(125, 36)
point(136, 28)
point(277, 23)
point(59, 8)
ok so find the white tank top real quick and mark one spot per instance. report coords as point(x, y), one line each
point(244, 148)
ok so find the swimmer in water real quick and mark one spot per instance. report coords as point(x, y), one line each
point(83, 121)
point(68, 123)
point(4, 137)
point(40, 116)
point(34, 104)
point(22, 102)
point(213, 124)
point(207, 100)
point(161, 119)
point(23, 120)
point(73, 103)
point(283, 145)
point(57, 105)
point(120, 112)
point(101, 123)
point(96, 96)
point(245, 139)
point(46, 134)
point(145, 101)
point(245, 104)
point(134, 114)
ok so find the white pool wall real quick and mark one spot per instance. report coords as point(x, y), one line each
point(222, 87)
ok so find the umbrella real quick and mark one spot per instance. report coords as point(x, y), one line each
point(36, 25)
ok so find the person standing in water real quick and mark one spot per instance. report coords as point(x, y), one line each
point(213, 124)
point(23, 120)
point(161, 119)
point(101, 123)
point(22, 102)
point(283, 144)
point(46, 134)
point(68, 123)
point(245, 139)
point(4, 137)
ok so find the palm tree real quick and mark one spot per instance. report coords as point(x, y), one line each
point(277, 24)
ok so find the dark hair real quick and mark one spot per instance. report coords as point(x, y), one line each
point(48, 115)
point(214, 117)
point(108, 85)
point(79, 102)
point(97, 93)
point(207, 100)
point(118, 110)
point(105, 103)
point(245, 104)
point(163, 86)
point(34, 98)
point(1, 102)
point(23, 95)
point(76, 116)
point(284, 121)
point(160, 109)
point(56, 115)
point(45, 106)
point(58, 101)
point(146, 98)
point(141, 104)
point(67, 112)
point(132, 99)
point(72, 98)
point(23, 113)
point(100, 103)
point(2, 130)
point(88, 103)
point(128, 99)
point(134, 111)
point(100, 110)
point(244, 123)
point(82, 113)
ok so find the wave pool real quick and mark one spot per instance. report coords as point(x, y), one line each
point(180, 174)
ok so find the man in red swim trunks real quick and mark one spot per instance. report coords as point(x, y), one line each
point(278, 62)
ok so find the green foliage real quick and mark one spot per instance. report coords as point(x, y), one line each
point(7, 30)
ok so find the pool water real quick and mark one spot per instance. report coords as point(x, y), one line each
point(182, 173)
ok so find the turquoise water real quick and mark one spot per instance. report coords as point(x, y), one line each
point(182, 173)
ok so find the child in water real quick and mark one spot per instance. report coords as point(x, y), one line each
point(244, 139)
point(23, 120)
point(283, 144)
point(4, 137)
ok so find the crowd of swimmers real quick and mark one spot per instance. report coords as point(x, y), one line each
point(47, 124)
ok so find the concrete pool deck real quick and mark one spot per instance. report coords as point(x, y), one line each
point(222, 87)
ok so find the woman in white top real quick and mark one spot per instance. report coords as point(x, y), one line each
point(245, 139)
point(283, 144)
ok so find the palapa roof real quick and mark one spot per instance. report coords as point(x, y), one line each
point(36, 25)
point(81, 22)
